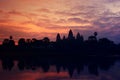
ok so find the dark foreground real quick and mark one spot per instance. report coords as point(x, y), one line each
point(64, 61)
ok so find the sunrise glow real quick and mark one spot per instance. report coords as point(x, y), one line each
point(40, 18)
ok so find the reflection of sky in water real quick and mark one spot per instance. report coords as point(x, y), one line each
point(15, 74)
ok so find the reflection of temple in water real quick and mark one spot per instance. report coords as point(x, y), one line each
point(68, 64)
point(71, 53)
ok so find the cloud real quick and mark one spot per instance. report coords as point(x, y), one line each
point(108, 27)
point(77, 20)
point(70, 13)
point(44, 10)
point(60, 16)
point(15, 12)
point(18, 13)
point(12, 13)
point(5, 20)
point(32, 14)
point(1, 11)
point(107, 22)
point(61, 21)
point(17, 31)
point(84, 11)
point(111, 1)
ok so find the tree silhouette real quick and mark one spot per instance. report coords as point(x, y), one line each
point(69, 45)
point(11, 37)
point(5, 42)
point(105, 42)
point(11, 42)
point(71, 53)
point(93, 38)
point(22, 42)
point(46, 40)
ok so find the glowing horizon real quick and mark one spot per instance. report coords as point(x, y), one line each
point(40, 18)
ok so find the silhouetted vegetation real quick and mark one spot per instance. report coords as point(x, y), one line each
point(71, 52)
point(70, 44)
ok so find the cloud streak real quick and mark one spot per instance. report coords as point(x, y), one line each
point(55, 16)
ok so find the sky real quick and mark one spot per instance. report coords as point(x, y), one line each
point(40, 18)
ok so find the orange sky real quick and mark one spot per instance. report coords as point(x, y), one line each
point(39, 18)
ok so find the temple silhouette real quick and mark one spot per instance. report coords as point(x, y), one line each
point(66, 45)
point(69, 53)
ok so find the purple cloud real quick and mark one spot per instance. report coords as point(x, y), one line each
point(77, 20)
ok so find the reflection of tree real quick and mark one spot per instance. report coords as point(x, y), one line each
point(7, 63)
point(68, 63)
point(70, 53)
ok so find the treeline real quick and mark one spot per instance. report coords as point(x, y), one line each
point(70, 44)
